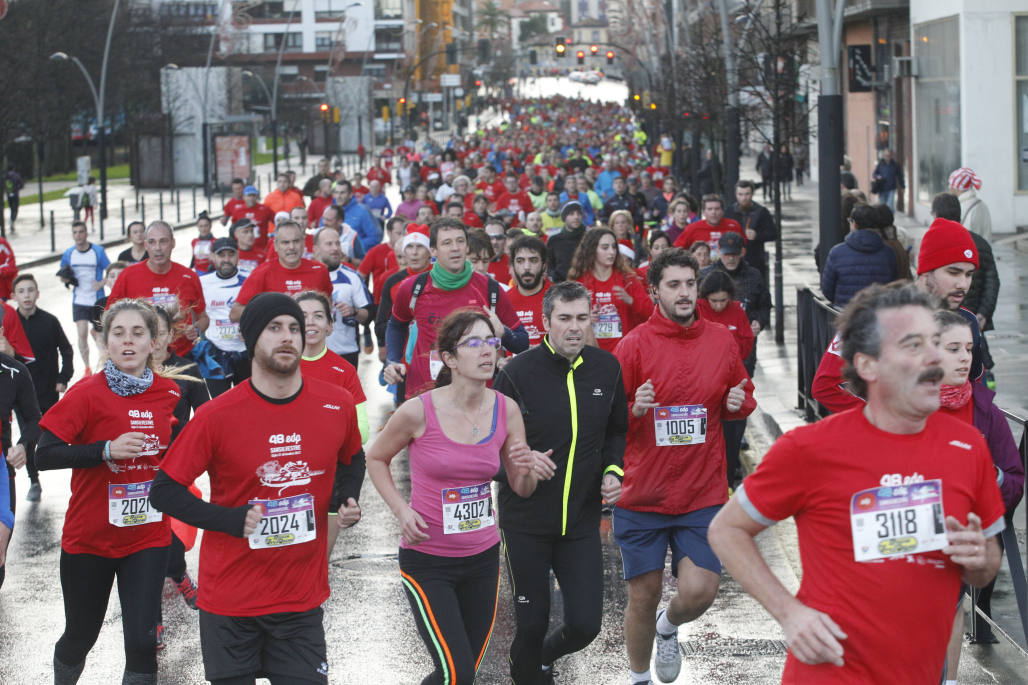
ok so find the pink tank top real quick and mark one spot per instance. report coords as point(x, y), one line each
point(451, 485)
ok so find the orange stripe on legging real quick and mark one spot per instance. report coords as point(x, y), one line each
point(435, 626)
point(492, 625)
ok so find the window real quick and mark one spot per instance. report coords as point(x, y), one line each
point(323, 40)
point(388, 9)
point(273, 42)
point(1021, 93)
point(937, 101)
point(389, 39)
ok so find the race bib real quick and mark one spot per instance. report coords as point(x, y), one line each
point(129, 505)
point(202, 250)
point(684, 424)
point(226, 329)
point(435, 363)
point(467, 509)
point(898, 520)
point(608, 325)
point(288, 521)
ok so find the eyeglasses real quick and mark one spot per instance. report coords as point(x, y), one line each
point(476, 342)
point(496, 237)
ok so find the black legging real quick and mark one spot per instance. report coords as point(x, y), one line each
point(453, 600)
point(273, 679)
point(86, 580)
point(577, 562)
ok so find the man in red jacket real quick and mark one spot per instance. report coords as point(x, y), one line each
point(711, 227)
point(681, 386)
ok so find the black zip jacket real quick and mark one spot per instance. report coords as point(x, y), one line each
point(579, 410)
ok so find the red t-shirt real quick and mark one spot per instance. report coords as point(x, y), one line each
point(317, 208)
point(500, 269)
point(202, 254)
point(432, 307)
point(254, 449)
point(251, 259)
point(178, 289)
point(331, 368)
point(616, 317)
point(897, 612)
point(529, 308)
point(828, 387)
point(379, 174)
point(378, 263)
point(733, 317)
point(90, 412)
point(491, 190)
point(701, 230)
point(472, 220)
point(272, 277)
point(262, 216)
point(516, 203)
point(231, 205)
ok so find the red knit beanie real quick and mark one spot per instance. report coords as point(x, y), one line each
point(945, 242)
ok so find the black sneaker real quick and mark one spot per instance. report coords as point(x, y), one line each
point(548, 675)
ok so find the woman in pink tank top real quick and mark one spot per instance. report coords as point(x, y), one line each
point(457, 436)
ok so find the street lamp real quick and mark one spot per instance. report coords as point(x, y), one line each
point(98, 100)
point(274, 119)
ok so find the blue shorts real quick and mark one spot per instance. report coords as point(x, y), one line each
point(644, 538)
point(81, 312)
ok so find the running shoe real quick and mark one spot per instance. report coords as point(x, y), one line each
point(668, 661)
point(187, 588)
point(34, 493)
point(160, 636)
point(548, 676)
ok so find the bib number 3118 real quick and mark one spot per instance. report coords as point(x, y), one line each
point(897, 520)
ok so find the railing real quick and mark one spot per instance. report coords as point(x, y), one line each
point(815, 328)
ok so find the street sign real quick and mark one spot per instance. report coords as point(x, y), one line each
point(432, 97)
point(459, 92)
point(449, 80)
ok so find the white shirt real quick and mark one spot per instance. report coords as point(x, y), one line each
point(219, 294)
point(347, 287)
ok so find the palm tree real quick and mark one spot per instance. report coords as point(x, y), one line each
point(491, 17)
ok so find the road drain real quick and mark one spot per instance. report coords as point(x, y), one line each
point(727, 646)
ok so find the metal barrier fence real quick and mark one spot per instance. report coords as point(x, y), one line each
point(815, 328)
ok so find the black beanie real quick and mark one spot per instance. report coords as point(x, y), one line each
point(259, 312)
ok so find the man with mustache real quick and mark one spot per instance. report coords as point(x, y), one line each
point(681, 385)
point(946, 263)
point(892, 495)
point(271, 447)
point(528, 267)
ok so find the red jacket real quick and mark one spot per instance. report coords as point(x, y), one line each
point(827, 387)
point(733, 317)
point(688, 367)
point(8, 269)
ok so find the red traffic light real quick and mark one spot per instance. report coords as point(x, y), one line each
point(580, 54)
point(403, 101)
point(324, 107)
point(610, 57)
point(594, 49)
point(478, 84)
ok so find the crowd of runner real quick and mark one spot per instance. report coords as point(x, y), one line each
point(567, 334)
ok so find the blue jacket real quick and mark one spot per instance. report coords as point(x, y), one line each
point(891, 173)
point(861, 259)
point(367, 228)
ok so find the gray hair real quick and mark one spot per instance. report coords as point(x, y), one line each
point(859, 326)
point(565, 291)
point(160, 224)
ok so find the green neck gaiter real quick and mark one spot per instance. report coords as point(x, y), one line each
point(444, 280)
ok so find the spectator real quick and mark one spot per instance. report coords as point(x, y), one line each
point(764, 169)
point(861, 259)
point(891, 236)
point(887, 179)
point(785, 165)
point(757, 224)
point(13, 189)
point(974, 214)
point(847, 179)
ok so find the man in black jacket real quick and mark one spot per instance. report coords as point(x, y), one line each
point(47, 339)
point(573, 401)
point(757, 222)
point(561, 247)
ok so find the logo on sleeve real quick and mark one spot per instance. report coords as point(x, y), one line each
point(961, 445)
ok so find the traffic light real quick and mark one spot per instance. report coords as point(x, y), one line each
point(581, 56)
point(610, 57)
point(636, 97)
point(451, 53)
point(653, 105)
point(324, 111)
point(478, 84)
point(533, 59)
point(559, 46)
point(594, 49)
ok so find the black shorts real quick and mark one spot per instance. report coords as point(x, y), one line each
point(287, 644)
point(81, 312)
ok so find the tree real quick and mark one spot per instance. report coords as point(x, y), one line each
point(491, 17)
point(533, 26)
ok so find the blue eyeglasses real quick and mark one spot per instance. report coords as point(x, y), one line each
point(476, 342)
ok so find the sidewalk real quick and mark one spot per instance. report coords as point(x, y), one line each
point(777, 412)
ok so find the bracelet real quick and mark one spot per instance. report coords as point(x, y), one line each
point(108, 459)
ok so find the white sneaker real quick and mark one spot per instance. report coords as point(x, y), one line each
point(668, 660)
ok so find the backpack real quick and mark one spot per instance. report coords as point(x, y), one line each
point(422, 280)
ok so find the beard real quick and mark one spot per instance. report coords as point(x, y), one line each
point(528, 280)
point(270, 362)
point(331, 263)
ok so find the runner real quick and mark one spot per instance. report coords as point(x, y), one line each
point(528, 266)
point(225, 345)
point(499, 267)
point(561, 246)
point(82, 267)
point(619, 299)
point(414, 247)
point(136, 251)
point(457, 435)
point(201, 260)
point(351, 301)
point(869, 510)
point(320, 362)
point(682, 385)
point(757, 224)
point(557, 527)
point(164, 283)
point(658, 243)
point(261, 215)
point(710, 228)
point(290, 273)
point(250, 257)
point(378, 265)
point(16, 394)
point(234, 202)
point(270, 447)
point(112, 428)
point(451, 284)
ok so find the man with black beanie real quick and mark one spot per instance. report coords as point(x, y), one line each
point(271, 447)
point(561, 247)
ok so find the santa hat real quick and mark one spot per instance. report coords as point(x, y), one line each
point(964, 179)
point(625, 248)
point(945, 242)
point(417, 234)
